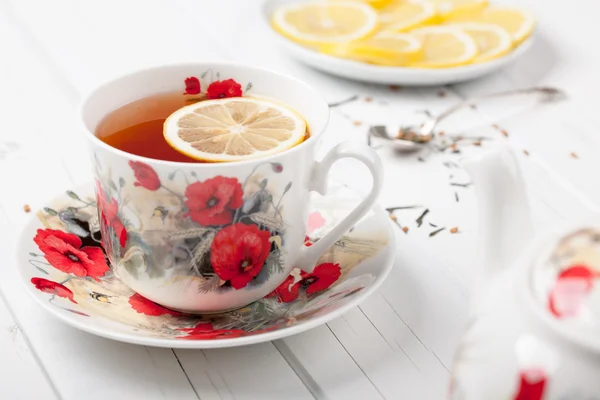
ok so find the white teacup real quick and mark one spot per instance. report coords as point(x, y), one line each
point(175, 244)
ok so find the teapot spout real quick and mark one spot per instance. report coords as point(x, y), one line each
point(504, 216)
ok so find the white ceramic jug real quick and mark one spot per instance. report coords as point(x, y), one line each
point(535, 327)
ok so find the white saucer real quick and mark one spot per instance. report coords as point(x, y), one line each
point(387, 75)
point(110, 309)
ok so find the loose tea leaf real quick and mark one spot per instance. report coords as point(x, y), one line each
point(420, 219)
point(340, 103)
point(464, 185)
point(391, 209)
point(432, 234)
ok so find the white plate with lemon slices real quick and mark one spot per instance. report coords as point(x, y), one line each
point(401, 42)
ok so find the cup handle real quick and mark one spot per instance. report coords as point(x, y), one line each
point(318, 183)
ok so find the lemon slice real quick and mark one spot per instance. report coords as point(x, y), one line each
point(459, 8)
point(492, 41)
point(372, 3)
point(400, 16)
point(325, 22)
point(386, 48)
point(518, 23)
point(444, 46)
point(233, 129)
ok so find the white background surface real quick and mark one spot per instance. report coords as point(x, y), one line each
point(399, 343)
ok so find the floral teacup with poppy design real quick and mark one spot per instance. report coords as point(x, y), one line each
point(204, 238)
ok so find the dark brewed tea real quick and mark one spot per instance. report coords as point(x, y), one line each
point(137, 128)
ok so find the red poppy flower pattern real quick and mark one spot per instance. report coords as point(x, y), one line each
point(53, 288)
point(570, 291)
point(205, 331)
point(238, 253)
point(145, 175)
point(532, 383)
point(63, 251)
point(192, 85)
point(223, 89)
point(213, 201)
point(144, 306)
point(322, 277)
point(109, 209)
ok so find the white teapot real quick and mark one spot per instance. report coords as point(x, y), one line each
point(534, 332)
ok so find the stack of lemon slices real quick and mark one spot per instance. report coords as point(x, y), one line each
point(409, 33)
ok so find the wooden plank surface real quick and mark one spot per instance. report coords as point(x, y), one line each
point(399, 343)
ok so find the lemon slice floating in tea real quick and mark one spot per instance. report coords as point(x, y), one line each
point(323, 22)
point(233, 129)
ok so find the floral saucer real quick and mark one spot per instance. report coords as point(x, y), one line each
point(65, 238)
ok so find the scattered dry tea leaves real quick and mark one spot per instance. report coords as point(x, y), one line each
point(454, 230)
point(504, 133)
point(357, 123)
point(405, 229)
point(342, 102)
point(574, 155)
point(525, 152)
point(26, 208)
point(421, 217)
point(368, 99)
point(394, 88)
point(432, 234)
point(464, 185)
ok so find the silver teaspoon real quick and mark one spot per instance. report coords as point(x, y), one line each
point(412, 138)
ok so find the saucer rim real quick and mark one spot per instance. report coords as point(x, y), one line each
point(387, 254)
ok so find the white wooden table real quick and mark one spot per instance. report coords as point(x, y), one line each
point(398, 344)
